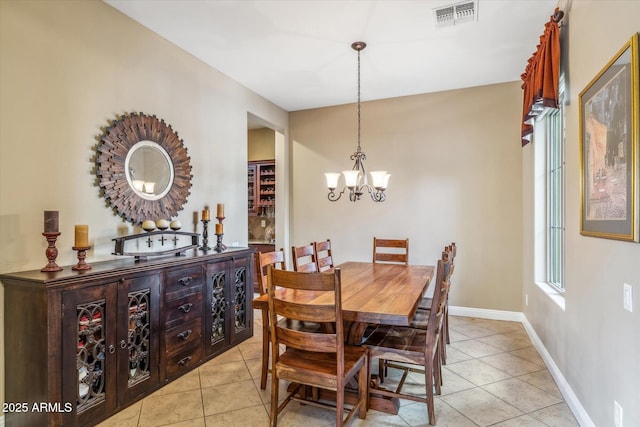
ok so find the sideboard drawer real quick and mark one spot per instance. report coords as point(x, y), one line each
point(183, 336)
point(180, 280)
point(183, 309)
point(183, 361)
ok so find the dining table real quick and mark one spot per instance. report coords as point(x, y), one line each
point(372, 294)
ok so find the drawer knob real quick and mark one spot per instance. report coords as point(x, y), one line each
point(185, 281)
point(186, 307)
point(185, 335)
point(185, 361)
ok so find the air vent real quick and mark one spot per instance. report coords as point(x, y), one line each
point(456, 13)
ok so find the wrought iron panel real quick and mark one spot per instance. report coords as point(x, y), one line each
point(218, 304)
point(139, 336)
point(90, 354)
point(240, 305)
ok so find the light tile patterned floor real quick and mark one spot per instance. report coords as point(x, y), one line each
point(493, 377)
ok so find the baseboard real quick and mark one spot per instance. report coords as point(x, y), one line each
point(483, 313)
point(567, 392)
point(570, 397)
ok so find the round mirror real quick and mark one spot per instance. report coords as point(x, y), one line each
point(143, 168)
point(149, 170)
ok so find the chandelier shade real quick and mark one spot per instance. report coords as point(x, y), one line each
point(355, 180)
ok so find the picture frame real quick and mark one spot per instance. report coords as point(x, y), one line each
point(609, 149)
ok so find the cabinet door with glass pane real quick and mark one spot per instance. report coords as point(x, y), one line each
point(89, 352)
point(138, 336)
point(242, 294)
point(218, 302)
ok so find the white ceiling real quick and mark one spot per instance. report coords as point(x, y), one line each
point(297, 53)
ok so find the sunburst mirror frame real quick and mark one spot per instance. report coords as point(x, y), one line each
point(116, 142)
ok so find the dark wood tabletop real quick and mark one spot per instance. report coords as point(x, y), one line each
point(373, 294)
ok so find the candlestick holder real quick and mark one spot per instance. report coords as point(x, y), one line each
point(219, 245)
point(51, 252)
point(82, 254)
point(205, 235)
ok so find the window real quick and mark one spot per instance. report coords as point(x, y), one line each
point(555, 192)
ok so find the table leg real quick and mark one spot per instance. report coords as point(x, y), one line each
point(354, 332)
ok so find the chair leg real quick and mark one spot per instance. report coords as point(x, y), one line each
point(339, 405)
point(446, 321)
point(265, 351)
point(443, 347)
point(363, 388)
point(437, 372)
point(428, 377)
point(273, 419)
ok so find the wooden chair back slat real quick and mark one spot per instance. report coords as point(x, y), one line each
point(388, 257)
point(322, 343)
point(306, 313)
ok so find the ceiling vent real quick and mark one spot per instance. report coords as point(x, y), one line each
point(457, 13)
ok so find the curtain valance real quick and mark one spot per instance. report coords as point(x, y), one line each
point(540, 78)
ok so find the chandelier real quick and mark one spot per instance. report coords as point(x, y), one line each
point(356, 179)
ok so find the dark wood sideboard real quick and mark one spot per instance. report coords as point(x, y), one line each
point(82, 345)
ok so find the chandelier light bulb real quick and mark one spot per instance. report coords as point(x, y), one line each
point(351, 178)
point(332, 180)
point(378, 178)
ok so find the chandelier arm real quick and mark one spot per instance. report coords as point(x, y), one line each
point(332, 195)
point(378, 196)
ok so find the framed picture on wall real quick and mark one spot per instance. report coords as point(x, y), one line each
point(609, 149)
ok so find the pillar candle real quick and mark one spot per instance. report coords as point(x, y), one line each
point(82, 236)
point(219, 229)
point(50, 221)
point(205, 215)
point(220, 210)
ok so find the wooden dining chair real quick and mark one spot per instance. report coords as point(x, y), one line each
point(421, 318)
point(323, 255)
point(275, 259)
point(304, 258)
point(317, 360)
point(412, 346)
point(391, 251)
point(425, 304)
point(262, 260)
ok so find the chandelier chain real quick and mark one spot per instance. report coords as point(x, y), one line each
point(359, 149)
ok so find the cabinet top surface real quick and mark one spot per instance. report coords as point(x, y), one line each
point(118, 267)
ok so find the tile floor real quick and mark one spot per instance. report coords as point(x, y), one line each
point(493, 377)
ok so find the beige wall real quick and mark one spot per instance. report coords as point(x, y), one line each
point(594, 342)
point(262, 144)
point(455, 164)
point(67, 68)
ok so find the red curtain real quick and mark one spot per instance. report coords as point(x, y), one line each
point(540, 78)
